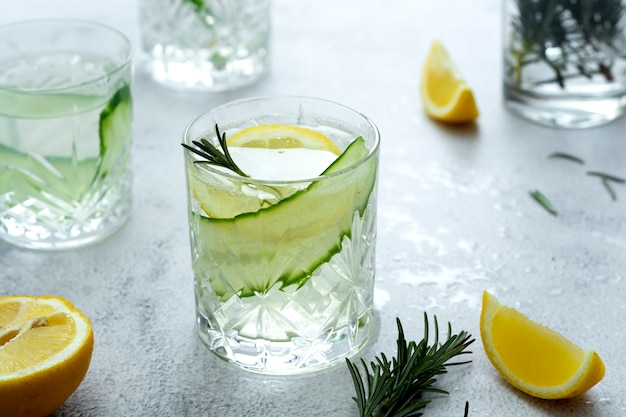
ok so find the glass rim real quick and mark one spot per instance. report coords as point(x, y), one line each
point(63, 23)
point(371, 151)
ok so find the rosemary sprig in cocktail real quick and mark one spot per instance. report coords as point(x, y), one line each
point(212, 155)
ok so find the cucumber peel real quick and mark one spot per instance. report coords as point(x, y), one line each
point(114, 131)
point(284, 243)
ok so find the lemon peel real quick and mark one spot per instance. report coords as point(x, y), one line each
point(534, 358)
point(445, 94)
point(45, 350)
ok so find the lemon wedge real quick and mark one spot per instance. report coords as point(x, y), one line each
point(45, 351)
point(534, 358)
point(445, 94)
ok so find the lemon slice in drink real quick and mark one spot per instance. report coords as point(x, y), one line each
point(282, 137)
point(266, 152)
point(534, 358)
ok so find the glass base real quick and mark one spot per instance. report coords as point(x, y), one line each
point(296, 356)
point(34, 224)
point(568, 111)
point(204, 76)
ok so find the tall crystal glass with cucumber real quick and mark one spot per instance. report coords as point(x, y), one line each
point(65, 132)
point(282, 218)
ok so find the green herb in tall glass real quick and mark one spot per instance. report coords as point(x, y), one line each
point(574, 38)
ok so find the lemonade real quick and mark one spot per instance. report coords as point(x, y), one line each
point(65, 120)
point(284, 259)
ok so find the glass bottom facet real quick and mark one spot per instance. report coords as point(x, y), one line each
point(34, 224)
point(565, 111)
point(291, 357)
point(204, 76)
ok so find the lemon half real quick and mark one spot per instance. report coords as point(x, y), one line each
point(45, 351)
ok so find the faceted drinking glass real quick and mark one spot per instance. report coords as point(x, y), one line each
point(284, 268)
point(65, 132)
point(205, 45)
point(565, 61)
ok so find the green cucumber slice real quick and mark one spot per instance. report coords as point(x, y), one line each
point(115, 131)
point(286, 242)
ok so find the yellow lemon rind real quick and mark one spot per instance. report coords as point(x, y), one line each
point(439, 69)
point(41, 389)
point(461, 109)
point(590, 371)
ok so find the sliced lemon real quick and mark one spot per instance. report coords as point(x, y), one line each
point(268, 152)
point(282, 137)
point(445, 94)
point(45, 351)
point(534, 358)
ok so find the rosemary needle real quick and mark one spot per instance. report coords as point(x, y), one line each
point(212, 155)
point(567, 156)
point(543, 201)
point(607, 177)
point(609, 189)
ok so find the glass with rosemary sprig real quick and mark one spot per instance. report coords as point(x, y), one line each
point(565, 60)
point(205, 45)
point(282, 219)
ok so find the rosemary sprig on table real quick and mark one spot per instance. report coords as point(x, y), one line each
point(395, 388)
point(573, 38)
point(212, 155)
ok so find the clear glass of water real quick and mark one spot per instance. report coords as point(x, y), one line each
point(565, 61)
point(205, 45)
point(65, 132)
point(284, 257)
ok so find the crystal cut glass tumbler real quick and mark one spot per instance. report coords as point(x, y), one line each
point(284, 261)
point(565, 61)
point(205, 45)
point(65, 132)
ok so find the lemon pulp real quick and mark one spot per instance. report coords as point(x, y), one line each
point(445, 94)
point(534, 358)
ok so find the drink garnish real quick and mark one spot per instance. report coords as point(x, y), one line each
point(395, 387)
point(212, 155)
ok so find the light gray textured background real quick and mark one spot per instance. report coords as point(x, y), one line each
point(455, 218)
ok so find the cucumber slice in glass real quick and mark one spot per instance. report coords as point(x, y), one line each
point(284, 243)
